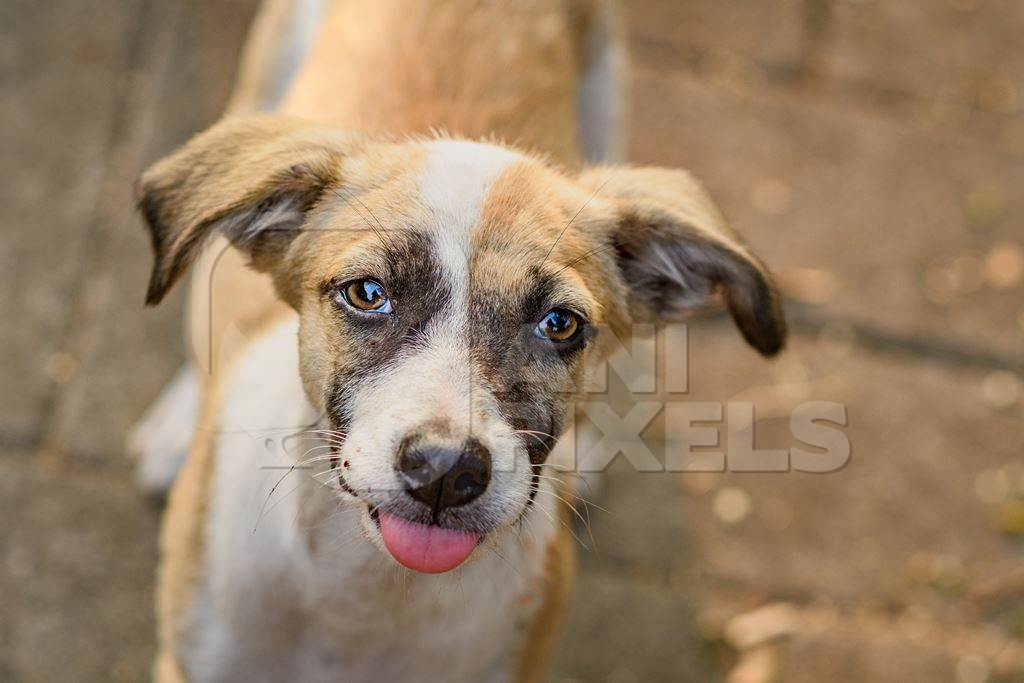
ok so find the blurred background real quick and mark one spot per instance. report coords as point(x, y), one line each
point(871, 151)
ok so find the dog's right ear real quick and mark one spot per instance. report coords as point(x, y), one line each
point(674, 250)
point(252, 179)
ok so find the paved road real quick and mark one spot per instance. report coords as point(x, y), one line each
point(872, 151)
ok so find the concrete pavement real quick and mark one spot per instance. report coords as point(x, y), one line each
point(872, 152)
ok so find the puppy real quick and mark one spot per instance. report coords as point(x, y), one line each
point(370, 494)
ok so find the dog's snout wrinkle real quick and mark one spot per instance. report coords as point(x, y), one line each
point(442, 476)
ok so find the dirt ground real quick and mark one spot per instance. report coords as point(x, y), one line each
point(871, 151)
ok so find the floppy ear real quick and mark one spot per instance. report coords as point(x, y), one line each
point(674, 250)
point(252, 179)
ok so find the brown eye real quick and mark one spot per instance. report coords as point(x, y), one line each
point(366, 295)
point(558, 325)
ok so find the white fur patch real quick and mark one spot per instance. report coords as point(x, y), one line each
point(457, 174)
point(453, 183)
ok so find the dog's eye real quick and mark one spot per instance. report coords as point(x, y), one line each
point(366, 295)
point(558, 325)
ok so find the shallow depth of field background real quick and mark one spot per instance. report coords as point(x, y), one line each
point(871, 151)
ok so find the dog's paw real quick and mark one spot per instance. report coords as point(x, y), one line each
point(159, 442)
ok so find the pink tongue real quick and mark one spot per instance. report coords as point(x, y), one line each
point(428, 549)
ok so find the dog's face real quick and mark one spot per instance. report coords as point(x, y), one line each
point(449, 293)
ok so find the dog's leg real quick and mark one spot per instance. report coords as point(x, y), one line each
point(277, 44)
point(602, 94)
point(542, 633)
point(166, 669)
point(160, 440)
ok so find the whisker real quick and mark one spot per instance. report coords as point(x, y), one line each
point(382, 232)
point(582, 499)
point(585, 521)
point(304, 460)
point(541, 441)
point(605, 247)
point(532, 431)
point(263, 508)
point(559, 521)
point(575, 216)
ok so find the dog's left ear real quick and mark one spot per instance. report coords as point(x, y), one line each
point(674, 250)
point(252, 179)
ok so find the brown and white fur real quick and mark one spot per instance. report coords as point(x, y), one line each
point(435, 147)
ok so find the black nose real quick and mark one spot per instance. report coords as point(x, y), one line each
point(443, 476)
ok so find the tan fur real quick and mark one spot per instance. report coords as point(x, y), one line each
point(181, 542)
point(560, 568)
point(468, 67)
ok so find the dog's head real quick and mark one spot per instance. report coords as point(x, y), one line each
point(447, 292)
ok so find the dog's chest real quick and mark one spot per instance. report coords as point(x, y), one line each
point(398, 626)
point(347, 613)
point(292, 591)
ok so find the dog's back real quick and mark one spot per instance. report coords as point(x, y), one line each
point(544, 74)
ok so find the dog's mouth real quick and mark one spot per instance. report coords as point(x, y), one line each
point(426, 548)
